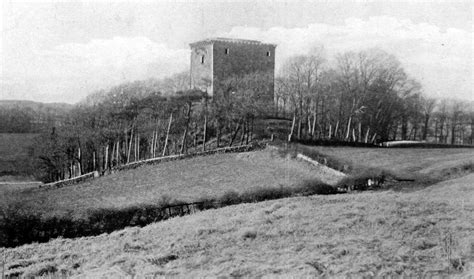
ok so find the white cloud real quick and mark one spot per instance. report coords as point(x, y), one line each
point(68, 72)
point(441, 60)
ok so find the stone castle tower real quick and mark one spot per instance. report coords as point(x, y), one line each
point(218, 59)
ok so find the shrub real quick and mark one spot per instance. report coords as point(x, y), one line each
point(18, 225)
point(269, 193)
point(249, 233)
point(359, 181)
point(229, 198)
point(205, 203)
point(314, 187)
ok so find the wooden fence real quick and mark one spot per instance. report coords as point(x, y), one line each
point(133, 165)
point(70, 181)
point(235, 149)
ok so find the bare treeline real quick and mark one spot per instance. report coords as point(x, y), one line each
point(134, 121)
point(367, 97)
point(360, 97)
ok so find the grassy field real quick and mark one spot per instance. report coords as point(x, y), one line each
point(211, 176)
point(428, 231)
point(186, 180)
point(436, 162)
point(14, 159)
point(374, 234)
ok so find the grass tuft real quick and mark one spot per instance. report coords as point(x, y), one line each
point(249, 233)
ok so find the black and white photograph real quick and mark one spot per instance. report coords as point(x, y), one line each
point(236, 139)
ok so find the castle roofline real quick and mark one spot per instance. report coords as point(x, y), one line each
point(230, 40)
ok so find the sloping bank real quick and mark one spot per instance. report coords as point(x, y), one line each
point(19, 226)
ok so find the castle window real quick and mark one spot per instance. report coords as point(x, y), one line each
point(203, 59)
point(269, 53)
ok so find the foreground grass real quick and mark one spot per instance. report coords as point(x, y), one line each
point(428, 232)
point(20, 225)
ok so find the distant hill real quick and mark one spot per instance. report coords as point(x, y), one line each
point(19, 116)
point(33, 104)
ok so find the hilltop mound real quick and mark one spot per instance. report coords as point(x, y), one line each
point(186, 180)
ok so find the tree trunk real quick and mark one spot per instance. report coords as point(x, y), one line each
point(472, 129)
point(373, 138)
point(348, 131)
point(106, 164)
point(218, 135)
point(204, 136)
point(152, 143)
point(299, 126)
point(313, 129)
point(425, 127)
point(156, 143)
point(117, 154)
point(360, 132)
point(441, 128)
point(167, 134)
point(79, 155)
point(453, 133)
point(235, 134)
point(138, 147)
point(93, 160)
point(367, 135)
point(290, 136)
point(130, 145)
point(195, 135)
point(188, 118)
point(252, 124)
point(242, 137)
point(404, 130)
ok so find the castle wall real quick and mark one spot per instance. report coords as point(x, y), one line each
point(242, 59)
point(226, 59)
point(201, 73)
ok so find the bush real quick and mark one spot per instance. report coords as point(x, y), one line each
point(314, 187)
point(360, 181)
point(230, 198)
point(263, 194)
point(205, 203)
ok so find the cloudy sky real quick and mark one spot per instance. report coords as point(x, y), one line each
point(60, 51)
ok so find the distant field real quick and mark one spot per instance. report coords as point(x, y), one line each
point(432, 161)
point(14, 159)
point(185, 180)
point(422, 234)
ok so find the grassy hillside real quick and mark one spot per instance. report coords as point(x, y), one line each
point(215, 175)
point(15, 163)
point(437, 162)
point(186, 180)
point(423, 233)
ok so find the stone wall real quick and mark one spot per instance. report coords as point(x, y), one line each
point(201, 71)
point(227, 58)
point(239, 59)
